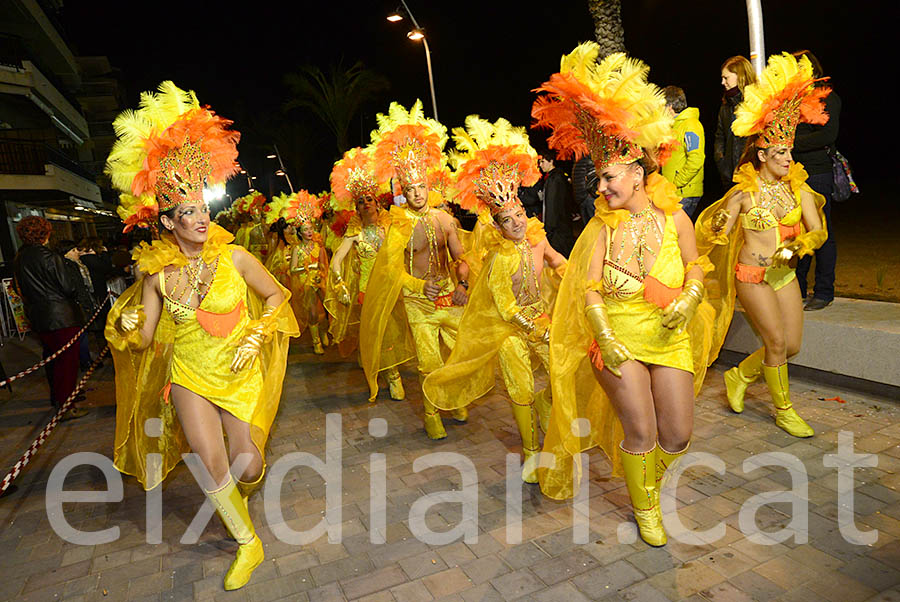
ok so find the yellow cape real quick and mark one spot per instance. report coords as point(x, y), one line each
point(720, 282)
point(576, 392)
point(142, 376)
point(469, 371)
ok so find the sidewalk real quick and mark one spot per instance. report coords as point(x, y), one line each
point(39, 565)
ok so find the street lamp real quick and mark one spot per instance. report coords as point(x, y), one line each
point(416, 34)
point(757, 39)
point(282, 171)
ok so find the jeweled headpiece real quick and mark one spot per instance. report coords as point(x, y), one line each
point(407, 144)
point(303, 207)
point(167, 151)
point(492, 160)
point(784, 95)
point(250, 203)
point(607, 110)
point(353, 178)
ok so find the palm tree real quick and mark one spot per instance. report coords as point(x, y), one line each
point(607, 16)
point(336, 97)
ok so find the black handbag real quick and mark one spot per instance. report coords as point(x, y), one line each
point(844, 184)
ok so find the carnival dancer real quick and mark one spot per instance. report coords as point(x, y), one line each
point(757, 231)
point(200, 341)
point(282, 238)
point(505, 316)
point(309, 267)
point(624, 359)
point(251, 235)
point(354, 188)
point(413, 296)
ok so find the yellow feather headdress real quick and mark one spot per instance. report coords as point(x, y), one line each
point(491, 161)
point(784, 95)
point(607, 110)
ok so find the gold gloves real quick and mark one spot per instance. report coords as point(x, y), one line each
point(255, 334)
point(679, 312)
point(612, 350)
point(522, 320)
point(804, 244)
point(340, 289)
point(718, 221)
point(537, 329)
point(131, 319)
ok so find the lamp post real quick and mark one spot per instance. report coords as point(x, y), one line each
point(416, 34)
point(757, 40)
point(281, 171)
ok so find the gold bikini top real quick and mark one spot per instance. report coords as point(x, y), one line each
point(760, 219)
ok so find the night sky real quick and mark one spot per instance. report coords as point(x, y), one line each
point(487, 57)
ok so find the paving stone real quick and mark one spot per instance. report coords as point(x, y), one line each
point(607, 580)
point(516, 584)
point(564, 567)
point(485, 569)
point(446, 583)
point(872, 573)
point(414, 591)
point(422, 565)
point(561, 592)
point(346, 568)
point(372, 582)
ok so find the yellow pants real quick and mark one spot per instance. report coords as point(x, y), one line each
point(429, 326)
point(515, 367)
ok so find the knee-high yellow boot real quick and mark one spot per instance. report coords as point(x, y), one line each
point(640, 477)
point(786, 416)
point(740, 377)
point(249, 488)
point(233, 512)
point(527, 423)
point(434, 426)
point(664, 461)
point(395, 384)
point(316, 339)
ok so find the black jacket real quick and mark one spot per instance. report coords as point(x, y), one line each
point(811, 140)
point(728, 148)
point(49, 289)
point(101, 268)
point(559, 205)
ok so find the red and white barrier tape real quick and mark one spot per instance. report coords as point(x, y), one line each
point(57, 353)
point(39, 441)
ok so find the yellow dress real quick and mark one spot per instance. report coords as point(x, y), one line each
point(307, 279)
point(356, 270)
point(723, 251)
point(576, 392)
point(193, 348)
point(487, 333)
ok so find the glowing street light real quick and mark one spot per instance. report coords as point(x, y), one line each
point(281, 171)
point(415, 34)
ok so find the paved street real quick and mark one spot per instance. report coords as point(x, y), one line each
point(37, 564)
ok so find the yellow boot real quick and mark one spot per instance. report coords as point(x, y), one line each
point(543, 404)
point(786, 416)
point(434, 427)
point(664, 461)
point(527, 423)
point(248, 489)
point(232, 510)
point(640, 477)
point(460, 414)
point(395, 384)
point(317, 342)
point(740, 377)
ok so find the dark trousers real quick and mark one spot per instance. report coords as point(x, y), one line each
point(826, 255)
point(62, 373)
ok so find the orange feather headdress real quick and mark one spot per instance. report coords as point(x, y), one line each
point(249, 203)
point(303, 207)
point(168, 150)
point(407, 145)
point(353, 178)
point(607, 110)
point(492, 160)
point(784, 95)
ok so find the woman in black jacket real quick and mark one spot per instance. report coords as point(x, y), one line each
point(737, 73)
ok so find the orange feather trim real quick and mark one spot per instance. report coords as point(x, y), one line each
point(470, 171)
point(401, 136)
point(353, 176)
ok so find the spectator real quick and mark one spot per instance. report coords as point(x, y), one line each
point(49, 292)
point(811, 150)
point(685, 167)
point(530, 197)
point(584, 185)
point(558, 204)
point(98, 261)
point(737, 73)
point(85, 295)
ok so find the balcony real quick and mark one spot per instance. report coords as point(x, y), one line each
point(37, 173)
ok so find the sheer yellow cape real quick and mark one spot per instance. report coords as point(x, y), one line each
point(468, 373)
point(142, 376)
point(576, 392)
point(723, 251)
point(385, 339)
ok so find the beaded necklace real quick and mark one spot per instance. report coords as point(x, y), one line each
point(528, 293)
point(637, 227)
point(775, 195)
point(434, 264)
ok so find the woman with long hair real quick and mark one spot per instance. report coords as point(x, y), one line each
point(309, 267)
point(769, 219)
point(737, 73)
point(631, 354)
point(200, 341)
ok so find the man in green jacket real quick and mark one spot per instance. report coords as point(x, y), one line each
point(685, 167)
